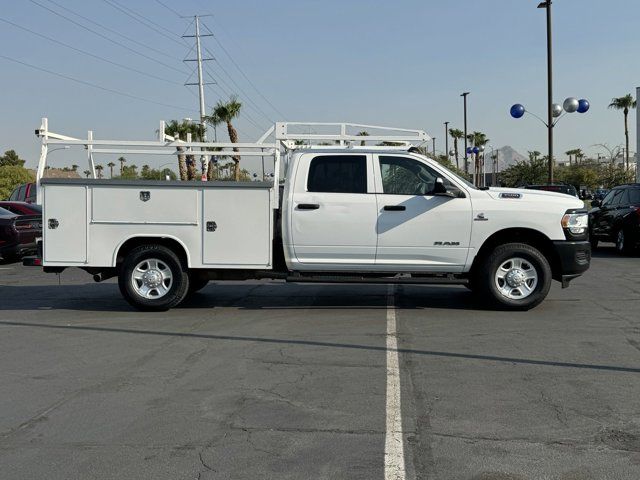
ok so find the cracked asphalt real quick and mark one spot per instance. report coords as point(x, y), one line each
point(278, 381)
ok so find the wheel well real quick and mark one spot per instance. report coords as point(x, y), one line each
point(134, 242)
point(520, 235)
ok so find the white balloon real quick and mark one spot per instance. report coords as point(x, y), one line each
point(557, 110)
point(571, 105)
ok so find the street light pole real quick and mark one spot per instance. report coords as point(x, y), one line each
point(446, 139)
point(466, 155)
point(547, 5)
point(434, 146)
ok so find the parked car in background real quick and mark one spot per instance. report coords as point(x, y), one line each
point(24, 193)
point(18, 234)
point(617, 218)
point(22, 208)
point(558, 188)
point(600, 193)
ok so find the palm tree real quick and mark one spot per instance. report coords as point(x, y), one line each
point(99, 169)
point(214, 120)
point(363, 133)
point(122, 161)
point(87, 173)
point(74, 168)
point(624, 103)
point(478, 139)
point(176, 130)
point(111, 165)
point(180, 131)
point(226, 112)
point(456, 134)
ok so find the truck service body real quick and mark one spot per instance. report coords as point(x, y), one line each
point(342, 214)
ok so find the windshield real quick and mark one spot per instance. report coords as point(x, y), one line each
point(6, 213)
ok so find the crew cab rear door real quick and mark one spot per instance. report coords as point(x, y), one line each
point(418, 230)
point(333, 210)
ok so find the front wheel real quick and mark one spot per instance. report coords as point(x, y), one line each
point(153, 278)
point(623, 243)
point(515, 276)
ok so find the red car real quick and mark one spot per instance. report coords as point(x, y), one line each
point(18, 234)
point(24, 193)
point(21, 208)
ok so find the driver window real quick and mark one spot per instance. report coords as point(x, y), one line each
point(615, 200)
point(407, 176)
point(607, 199)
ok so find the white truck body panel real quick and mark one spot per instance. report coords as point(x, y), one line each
point(96, 217)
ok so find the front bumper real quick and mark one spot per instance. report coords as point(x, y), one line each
point(574, 258)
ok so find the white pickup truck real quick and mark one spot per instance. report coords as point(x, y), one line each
point(345, 213)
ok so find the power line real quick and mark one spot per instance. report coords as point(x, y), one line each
point(144, 21)
point(93, 85)
point(246, 95)
point(115, 32)
point(169, 8)
point(251, 120)
point(242, 72)
point(84, 52)
point(105, 37)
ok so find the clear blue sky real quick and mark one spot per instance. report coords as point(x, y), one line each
point(399, 63)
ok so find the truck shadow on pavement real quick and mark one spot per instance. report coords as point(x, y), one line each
point(251, 296)
point(321, 344)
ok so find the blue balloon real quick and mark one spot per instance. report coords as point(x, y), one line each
point(583, 106)
point(469, 150)
point(517, 111)
point(476, 150)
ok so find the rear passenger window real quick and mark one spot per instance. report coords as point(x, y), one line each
point(634, 196)
point(338, 174)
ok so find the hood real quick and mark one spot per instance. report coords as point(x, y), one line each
point(529, 195)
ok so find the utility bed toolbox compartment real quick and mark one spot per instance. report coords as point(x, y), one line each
point(217, 224)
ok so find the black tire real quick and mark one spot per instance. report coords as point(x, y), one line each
point(196, 283)
point(174, 290)
point(624, 245)
point(593, 241)
point(487, 284)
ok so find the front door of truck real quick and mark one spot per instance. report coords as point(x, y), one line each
point(417, 229)
point(333, 211)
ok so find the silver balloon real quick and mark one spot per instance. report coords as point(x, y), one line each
point(557, 110)
point(481, 148)
point(452, 153)
point(571, 105)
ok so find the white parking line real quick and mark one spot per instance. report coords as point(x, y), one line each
point(394, 468)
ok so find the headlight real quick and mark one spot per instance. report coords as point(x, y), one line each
point(576, 223)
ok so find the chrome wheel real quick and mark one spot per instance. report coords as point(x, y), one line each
point(151, 278)
point(516, 278)
point(620, 241)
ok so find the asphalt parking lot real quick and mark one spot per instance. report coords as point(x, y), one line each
point(278, 381)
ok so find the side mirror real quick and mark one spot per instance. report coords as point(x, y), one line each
point(439, 188)
point(595, 203)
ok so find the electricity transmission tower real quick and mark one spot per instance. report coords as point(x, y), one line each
point(201, 82)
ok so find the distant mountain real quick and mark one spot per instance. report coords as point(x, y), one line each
point(508, 156)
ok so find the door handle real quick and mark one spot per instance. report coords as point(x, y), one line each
point(308, 206)
point(395, 208)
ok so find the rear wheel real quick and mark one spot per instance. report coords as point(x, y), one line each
point(514, 276)
point(153, 278)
